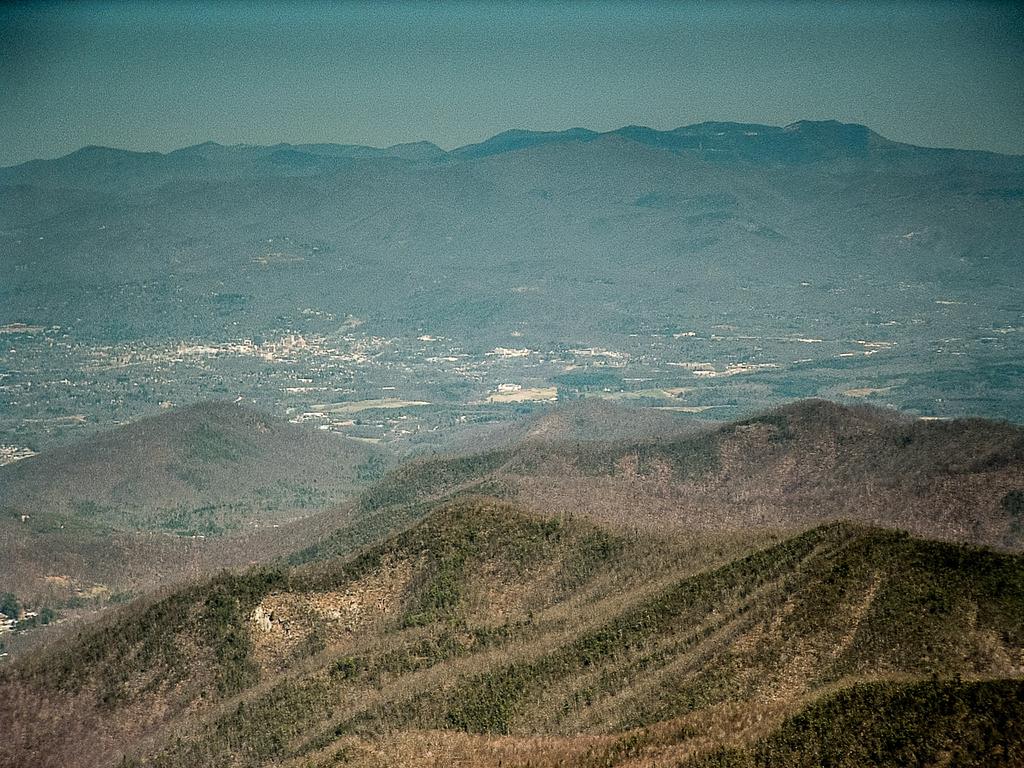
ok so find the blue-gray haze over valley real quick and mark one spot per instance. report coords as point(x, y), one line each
point(389, 293)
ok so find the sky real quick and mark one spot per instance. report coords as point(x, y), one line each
point(158, 76)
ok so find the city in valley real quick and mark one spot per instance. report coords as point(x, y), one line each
point(420, 390)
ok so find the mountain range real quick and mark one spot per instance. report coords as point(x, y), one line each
point(741, 594)
point(636, 448)
point(573, 218)
point(471, 621)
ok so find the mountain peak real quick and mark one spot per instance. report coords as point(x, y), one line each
point(516, 139)
point(99, 152)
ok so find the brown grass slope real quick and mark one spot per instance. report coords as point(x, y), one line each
point(798, 465)
point(485, 634)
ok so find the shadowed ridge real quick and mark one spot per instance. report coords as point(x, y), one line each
point(828, 415)
point(786, 468)
point(893, 724)
point(513, 140)
point(920, 446)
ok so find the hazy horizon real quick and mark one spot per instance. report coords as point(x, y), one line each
point(285, 142)
point(160, 77)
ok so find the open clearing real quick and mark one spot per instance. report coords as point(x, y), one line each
point(526, 394)
point(367, 405)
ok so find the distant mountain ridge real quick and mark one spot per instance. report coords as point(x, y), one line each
point(801, 141)
point(748, 187)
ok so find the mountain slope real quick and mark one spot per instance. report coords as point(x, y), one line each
point(629, 204)
point(203, 469)
point(794, 466)
point(133, 507)
point(893, 725)
point(491, 635)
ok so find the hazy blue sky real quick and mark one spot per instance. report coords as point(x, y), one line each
point(165, 75)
